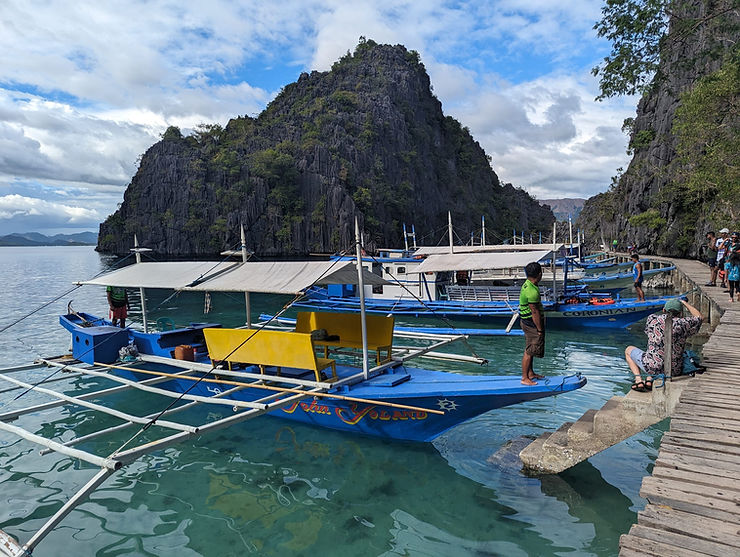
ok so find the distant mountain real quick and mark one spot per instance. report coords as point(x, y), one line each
point(38, 239)
point(561, 208)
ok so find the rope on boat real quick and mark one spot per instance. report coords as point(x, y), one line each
point(203, 377)
point(441, 317)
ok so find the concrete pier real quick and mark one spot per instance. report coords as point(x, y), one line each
point(619, 419)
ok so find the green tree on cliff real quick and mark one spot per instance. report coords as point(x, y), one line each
point(653, 41)
point(639, 33)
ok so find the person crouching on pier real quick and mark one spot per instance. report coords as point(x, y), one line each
point(532, 317)
point(651, 360)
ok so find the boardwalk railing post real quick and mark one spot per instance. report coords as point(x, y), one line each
point(668, 345)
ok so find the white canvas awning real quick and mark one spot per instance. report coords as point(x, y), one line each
point(440, 250)
point(278, 277)
point(479, 261)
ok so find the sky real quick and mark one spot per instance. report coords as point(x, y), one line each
point(86, 87)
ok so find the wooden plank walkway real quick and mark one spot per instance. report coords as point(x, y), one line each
point(694, 492)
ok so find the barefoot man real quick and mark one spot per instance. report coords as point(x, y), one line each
point(533, 322)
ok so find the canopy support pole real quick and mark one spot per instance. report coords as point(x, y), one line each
point(361, 286)
point(247, 301)
point(449, 230)
point(141, 289)
point(554, 256)
point(483, 230)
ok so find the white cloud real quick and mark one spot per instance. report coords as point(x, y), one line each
point(548, 135)
point(20, 213)
point(86, 87)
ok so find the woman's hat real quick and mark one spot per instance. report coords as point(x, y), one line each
point(673, 305)
point(724, 231)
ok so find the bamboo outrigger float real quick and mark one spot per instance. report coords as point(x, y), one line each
point(251, 372)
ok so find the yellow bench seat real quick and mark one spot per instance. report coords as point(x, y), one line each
point(266, 348)
point(348, 327)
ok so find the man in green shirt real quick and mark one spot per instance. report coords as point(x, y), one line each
point(532, 319)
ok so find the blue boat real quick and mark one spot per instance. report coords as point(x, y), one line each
point(596, 312)
point(392, 399)
point(419, 292)
point(623, 278)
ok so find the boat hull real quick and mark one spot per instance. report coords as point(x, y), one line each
point(461, 397)
point(376, 405)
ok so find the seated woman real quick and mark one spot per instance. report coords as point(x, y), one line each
point(651, 361)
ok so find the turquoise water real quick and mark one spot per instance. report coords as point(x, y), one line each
point(271, 487)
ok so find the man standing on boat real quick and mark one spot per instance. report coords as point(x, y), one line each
point(637, 276)
point(118, 303)
point(532, 319)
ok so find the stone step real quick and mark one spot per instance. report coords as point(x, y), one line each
point(582, 428)
point(649, 403)
point(531, 454)
point(620, 418)
point(606, 420)
point(559, 436)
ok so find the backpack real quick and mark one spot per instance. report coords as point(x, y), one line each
point(691, 364)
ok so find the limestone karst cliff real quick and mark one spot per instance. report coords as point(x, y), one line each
point(684, 177)
point(367, 138)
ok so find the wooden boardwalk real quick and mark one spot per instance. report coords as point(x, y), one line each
point(694, 492)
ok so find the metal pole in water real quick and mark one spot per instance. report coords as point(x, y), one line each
point(361, 285)
point(247, 301)
point(141, 289)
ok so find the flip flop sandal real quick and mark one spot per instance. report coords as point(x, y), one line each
point(639, 387)
point(648, 384)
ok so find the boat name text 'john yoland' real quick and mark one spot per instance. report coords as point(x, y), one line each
point(354, 414)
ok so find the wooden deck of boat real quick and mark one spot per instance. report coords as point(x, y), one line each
point(694, 492)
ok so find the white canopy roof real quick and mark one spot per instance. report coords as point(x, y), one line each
point(277, 277)
point(438, 250)
point(479, 261)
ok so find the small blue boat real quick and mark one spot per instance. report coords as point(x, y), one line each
point(623, 278)
point(575, 313)
point(466, 285)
